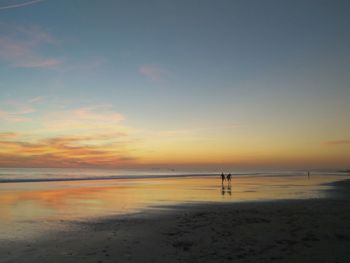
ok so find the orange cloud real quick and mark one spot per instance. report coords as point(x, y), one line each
point(338, 142)
point(65, 152)
point(8, 135)
point(86, 136)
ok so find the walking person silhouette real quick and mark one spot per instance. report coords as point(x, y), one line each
point(228, 178)
point(222, 178)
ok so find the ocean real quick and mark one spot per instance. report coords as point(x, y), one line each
point(33, 201)
point(8, 175)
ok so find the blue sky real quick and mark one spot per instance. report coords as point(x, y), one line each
point(277, 69)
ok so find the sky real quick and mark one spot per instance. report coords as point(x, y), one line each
point(183, 84)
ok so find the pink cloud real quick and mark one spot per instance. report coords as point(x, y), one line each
point(153, 72)
point(19, 47)
point(33, 34)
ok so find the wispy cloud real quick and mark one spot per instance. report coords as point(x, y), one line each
point(19, 5)
point(154, 72)
point(19, 46)
point(190, 132)
point(36, 99)
point(89, 65)
point(18, 114)
point(96, 117)
point(13, 117)
point(337, 142)
point(38, 62)
point(18, 111)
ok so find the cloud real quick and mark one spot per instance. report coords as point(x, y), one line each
point(37, 62)
point(8, 135)
point(191, 133)
point(78, 137)
point(84, 119)
point(19, 5)
point(66, 151)
point(90, 65)
point(18, 115)
point(97, 118)
point(91, 114)
point(338, 142)
point(36, 99)
point(17, 111)
point(12, 117)
point(19, 46)
point(154, 72)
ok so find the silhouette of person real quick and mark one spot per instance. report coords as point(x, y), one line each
point(222, 178)
point(308, 174)
point(229, 178)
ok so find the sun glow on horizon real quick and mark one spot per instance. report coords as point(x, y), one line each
point(98, 136)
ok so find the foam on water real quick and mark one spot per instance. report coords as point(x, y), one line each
point(8, 175)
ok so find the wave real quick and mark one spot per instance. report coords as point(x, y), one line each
point(129, 177)
point(62, 177)
point(118, 177)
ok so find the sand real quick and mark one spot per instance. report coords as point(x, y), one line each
point(282, 231)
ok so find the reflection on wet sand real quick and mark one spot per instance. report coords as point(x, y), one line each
point(226, 189)
point(21, 202)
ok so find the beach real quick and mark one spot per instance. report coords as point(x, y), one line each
point(294, 230)
point(174, 131)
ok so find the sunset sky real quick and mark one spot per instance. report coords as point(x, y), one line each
point(191, 84)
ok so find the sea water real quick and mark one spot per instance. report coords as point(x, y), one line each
point(36, 200)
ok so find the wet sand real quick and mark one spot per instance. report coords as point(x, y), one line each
point(315, 230)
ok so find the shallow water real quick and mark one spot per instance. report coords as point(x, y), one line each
point(29, 209)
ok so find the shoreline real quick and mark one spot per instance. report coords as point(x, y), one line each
point(165, 176)
point(311, 230)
